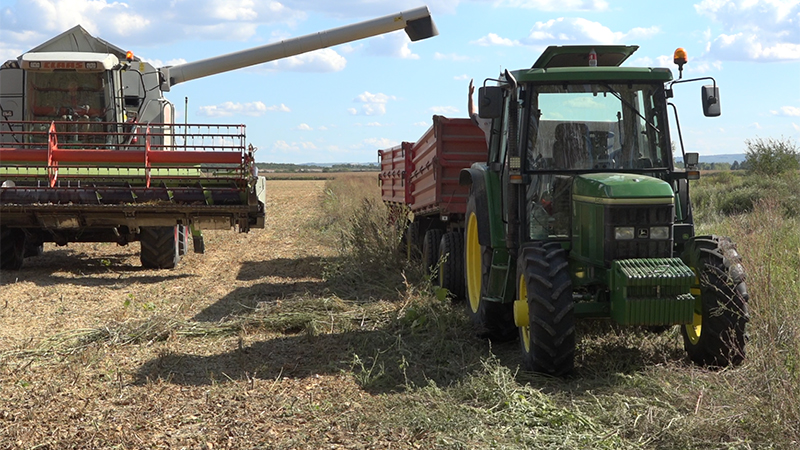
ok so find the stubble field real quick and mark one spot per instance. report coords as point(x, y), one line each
point(305, 335)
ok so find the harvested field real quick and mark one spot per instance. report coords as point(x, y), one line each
point(311, 333)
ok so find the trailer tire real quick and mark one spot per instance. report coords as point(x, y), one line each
point(410, 241)
point(548, 340)
point(494, 320)
point(717, 335)
point(160, 247)
point(430, 250)
point(451, 270)
point(12, 248)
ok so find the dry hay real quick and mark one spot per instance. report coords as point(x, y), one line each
point(96, 352)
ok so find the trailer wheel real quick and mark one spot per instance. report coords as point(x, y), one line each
point(430, 250)
point(494, 320)
point(451, 270)
point(160, 247)
point(410, 241)
point(717, 336)
point(548, 338)
point(12, 248)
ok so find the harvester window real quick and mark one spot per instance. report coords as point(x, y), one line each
point(66, 95)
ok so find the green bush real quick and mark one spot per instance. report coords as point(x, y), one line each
point(772, 156)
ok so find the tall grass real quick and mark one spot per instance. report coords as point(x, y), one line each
point(633, 389)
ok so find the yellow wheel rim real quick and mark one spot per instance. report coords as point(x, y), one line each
point(525, 332)
point(473, 262)
point(695, 329)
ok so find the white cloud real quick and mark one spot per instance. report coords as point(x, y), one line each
point(380, 142)
point(421, 124)
point(795, 126)
point(492, 39)
point(578, 30)
point(323, 60)
point(286, 147)
point(463, 77)
point(227, 109)
point(372, 104)
point(790, 111)
point(754, 30)
point(444, 110)
point(303, 127)
point(392, 44)
point(375, 124)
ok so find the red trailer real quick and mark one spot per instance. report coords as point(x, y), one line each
point(423, 176)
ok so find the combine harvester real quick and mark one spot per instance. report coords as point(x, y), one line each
point(90, 152)
point(574, 210)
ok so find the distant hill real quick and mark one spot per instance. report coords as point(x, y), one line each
point(729, 158)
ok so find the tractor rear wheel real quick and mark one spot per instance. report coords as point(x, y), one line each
point(548, 338)
point(160, 247)
point(430, 250)
point(716, 337)
point(12, 248)
point(451, 270)
point(494, 320)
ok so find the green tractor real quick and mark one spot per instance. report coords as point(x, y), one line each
point(579, 212)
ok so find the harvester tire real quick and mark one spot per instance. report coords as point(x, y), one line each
point(160, 247)
point(493, 320)
point(548, 341)
point(430, 250)
point(12, 248)
point(717, 335)
point(183, 240)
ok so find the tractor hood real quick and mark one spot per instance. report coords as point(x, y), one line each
point(620, 187)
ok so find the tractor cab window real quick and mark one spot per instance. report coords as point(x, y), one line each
point(582, 128)
point(596, 127)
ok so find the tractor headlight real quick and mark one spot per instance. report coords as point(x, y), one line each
point(661, 233)
point(623, 233)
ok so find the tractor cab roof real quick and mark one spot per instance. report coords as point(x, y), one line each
point(571, 63)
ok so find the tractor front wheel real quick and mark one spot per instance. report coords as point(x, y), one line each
point(716, 337)
point(547, 338)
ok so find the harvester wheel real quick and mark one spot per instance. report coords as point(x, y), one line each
point(716, 337)
point(548, 338)
point(160, 247)
point(183, 240)
point(430, 250)
point(12, 248)
point(494, 320)
point(451, 270)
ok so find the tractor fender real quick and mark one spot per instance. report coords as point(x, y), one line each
point(482, 191)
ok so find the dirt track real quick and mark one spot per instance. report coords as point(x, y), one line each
point(175, 392)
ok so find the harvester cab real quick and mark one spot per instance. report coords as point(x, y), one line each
point(580, 212)
point(90, 150)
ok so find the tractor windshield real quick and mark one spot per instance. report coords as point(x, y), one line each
point(597, 127)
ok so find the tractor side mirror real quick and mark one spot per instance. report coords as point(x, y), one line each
point(490, 102)
point(710, 101)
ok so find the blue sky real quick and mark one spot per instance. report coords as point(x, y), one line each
point(343, 104)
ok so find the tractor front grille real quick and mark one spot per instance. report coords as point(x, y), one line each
point(641, 218)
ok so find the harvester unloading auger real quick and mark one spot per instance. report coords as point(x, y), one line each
point(90, 152)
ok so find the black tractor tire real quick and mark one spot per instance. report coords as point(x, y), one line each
point(493, 320)
point(160, 247)
point(451, 270)
point(410, 241)
point(548, 342)
point(430, 250)
point(12, 248)
point(717, 336)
